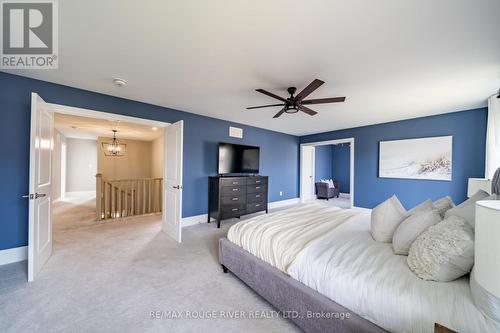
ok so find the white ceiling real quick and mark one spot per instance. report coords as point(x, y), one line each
point(393, 59)
point(91, 128)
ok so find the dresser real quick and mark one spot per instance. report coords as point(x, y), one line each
point(230, 197)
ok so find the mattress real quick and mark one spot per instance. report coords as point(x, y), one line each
point(331, 251)
point(279, 238)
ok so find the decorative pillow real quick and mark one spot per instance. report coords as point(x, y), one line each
point(444, 252)
point(411, 228)
point(426, 205)
point(386, 218)
point(467, 209)
point(443, 204)
point(330, 183)
point(485, 301)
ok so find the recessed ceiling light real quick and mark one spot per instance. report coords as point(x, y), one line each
point(119, 82)
point(154, 128)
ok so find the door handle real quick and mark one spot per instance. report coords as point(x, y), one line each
point(34, 196)
point(177, 187)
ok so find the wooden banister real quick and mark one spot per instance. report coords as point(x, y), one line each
point(127, 197)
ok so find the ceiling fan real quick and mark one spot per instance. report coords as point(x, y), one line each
point(297, 103)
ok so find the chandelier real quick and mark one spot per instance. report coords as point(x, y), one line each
point(114, 147)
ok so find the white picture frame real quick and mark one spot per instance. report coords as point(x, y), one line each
point(421, 158)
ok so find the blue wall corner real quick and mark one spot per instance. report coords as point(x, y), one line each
point(468, 129)
point(341, 163)
point(323, 162)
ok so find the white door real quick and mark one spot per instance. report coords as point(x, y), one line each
point(172, 185)
point(307, 173)
point(40, 196)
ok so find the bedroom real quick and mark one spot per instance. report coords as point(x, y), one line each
point(407, 71)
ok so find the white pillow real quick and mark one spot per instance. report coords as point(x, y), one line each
point(467, 209)
point(444, 252)
point(386, 218)
point(330, 183)
point(443, 204)
point(426, 205)
point(411, 228)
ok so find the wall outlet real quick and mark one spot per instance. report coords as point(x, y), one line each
point(281, 193)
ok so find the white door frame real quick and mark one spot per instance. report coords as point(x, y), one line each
point(313, 175)
point(75, 111)
point(351, 167)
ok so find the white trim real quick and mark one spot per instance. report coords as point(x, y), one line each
point(344, 195)
point(76, 194)
point(15, 254)
point(333, 142)
point(362, 209)
point(283, 203)
point(74, 111)
point(198, 219)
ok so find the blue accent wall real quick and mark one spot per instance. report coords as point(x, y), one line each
point(468, 129)
point(278, 157)
point(341, 163)
point(323, 162)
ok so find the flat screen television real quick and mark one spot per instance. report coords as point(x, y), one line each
point(238, 159)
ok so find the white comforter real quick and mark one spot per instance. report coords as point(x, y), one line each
point(365, 276)
point(279, 238)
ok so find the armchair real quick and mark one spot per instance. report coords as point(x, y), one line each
point(323, 191)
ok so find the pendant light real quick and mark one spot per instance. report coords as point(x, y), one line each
point(114, 147)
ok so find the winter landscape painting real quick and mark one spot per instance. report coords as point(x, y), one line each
point(425, 158)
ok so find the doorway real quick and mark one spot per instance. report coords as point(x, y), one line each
point(340, 151)
point(41, 174)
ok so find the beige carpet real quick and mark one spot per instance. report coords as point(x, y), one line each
point(108, 277)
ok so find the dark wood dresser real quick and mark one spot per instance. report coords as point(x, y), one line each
point(236, 196)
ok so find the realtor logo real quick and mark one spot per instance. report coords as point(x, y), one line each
point(29, 34)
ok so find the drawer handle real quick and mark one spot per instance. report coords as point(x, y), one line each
point(234, 199)
point(257, 205)
point(257, 195)
point(234, 209)
point(235, 183)
point(235, 189)
point(257, 187)
point(257, 181)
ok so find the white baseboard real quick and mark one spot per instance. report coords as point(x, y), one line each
point(76, 194)
point(197, 219)
point(13, 255)
point(345, 195)
point(362, 209)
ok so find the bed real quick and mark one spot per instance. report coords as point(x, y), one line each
point(320, 264)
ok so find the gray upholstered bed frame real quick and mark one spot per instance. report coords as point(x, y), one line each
point(289, 295)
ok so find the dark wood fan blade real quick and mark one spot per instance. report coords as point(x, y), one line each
point(280, 113)
point(309, 89)
point(264, 106)
point(307, 110)
point(324, 100)
point(270, 94)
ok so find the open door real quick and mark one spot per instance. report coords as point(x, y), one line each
point(40, 181)
point(172, 185)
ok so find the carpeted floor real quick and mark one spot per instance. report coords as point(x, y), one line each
point(109, 277)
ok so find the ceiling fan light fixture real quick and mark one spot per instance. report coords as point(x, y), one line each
point(292, 109)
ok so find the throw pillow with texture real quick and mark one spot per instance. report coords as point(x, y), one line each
point(467, 209)
point(444, 252)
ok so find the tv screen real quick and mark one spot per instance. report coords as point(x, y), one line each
point(238, 158)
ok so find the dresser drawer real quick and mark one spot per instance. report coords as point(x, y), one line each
point(234, 210)
point(233, 181)
point(233, 199)
point(233, 190)
point(257, 188)
point(256, 180)
point(254, 207)
point(256, 197)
